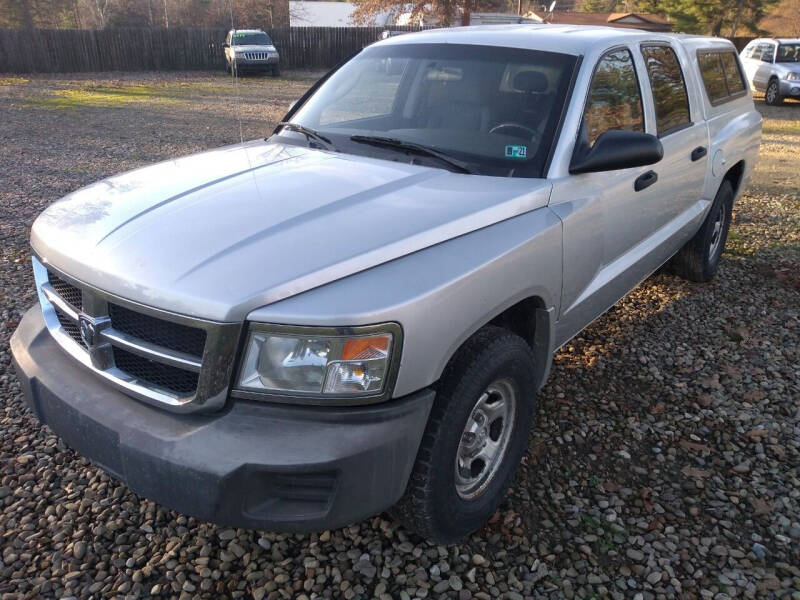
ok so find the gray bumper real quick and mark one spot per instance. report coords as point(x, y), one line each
point(242, 63)
point(259, 466)
point(790, 89)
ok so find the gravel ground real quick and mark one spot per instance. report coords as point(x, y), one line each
point(665, 461)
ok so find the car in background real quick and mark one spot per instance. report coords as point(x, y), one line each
point(251, 50)
point(772, 66)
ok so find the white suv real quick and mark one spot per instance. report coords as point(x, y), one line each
point(772, 66)
point(251, 50)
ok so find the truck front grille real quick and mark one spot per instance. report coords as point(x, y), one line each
point(160, 357)
point(68, 325)
point(156, 374)
point(256, 55)
point(174, 336)
point(71, 294)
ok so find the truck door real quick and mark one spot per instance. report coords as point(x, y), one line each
point(682, 129)
point(607, 217)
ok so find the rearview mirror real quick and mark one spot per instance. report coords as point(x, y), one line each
point(616, 149)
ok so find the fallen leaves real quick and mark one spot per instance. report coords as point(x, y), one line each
point(695, 473)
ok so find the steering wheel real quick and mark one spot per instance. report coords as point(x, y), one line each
point(519, 127)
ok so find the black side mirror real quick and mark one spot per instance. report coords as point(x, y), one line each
point(616, 149)
point(226, 45)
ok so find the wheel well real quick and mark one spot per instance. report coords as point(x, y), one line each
point(520, 318)
point(734, 176)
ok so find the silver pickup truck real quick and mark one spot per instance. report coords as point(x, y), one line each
point(356, 313)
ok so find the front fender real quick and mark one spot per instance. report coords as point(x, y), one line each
point(443, 294)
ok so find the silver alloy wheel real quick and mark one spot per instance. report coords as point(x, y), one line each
point(772, 92)
point(716, 235)
point(485, 439)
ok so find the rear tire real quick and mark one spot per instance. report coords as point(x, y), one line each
point(773, 94)
point(476, 435)
point(699, 259)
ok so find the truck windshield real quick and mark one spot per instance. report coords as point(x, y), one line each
point(788, 53)
point(250, 39)
point(494, 110)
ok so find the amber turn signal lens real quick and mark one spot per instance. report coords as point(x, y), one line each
point(365, 348)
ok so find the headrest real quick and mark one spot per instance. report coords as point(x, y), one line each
point(531, 82)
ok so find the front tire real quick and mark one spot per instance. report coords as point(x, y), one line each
point(276, 71)
point(773, 94)
point(476, 435)
point(699, 259)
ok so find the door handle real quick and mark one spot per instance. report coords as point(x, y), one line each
point(699, 153)
point(645, 181)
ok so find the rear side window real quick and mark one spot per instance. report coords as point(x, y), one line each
point(733, 75)
point(721, 75)
point(669, 89)
point(614, 101)
point(713, 76)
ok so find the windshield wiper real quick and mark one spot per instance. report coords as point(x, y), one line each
point(311, 135)
point(387, 142)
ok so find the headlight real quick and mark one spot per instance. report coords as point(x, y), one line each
point(321, 362)
point(793, 76)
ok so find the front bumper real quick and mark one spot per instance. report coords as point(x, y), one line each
point(790, 89)
point(262, 63)
point(254, 465)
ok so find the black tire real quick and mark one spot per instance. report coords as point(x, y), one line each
point(699, 259)
point(432, 506)
point(773, 94)
point(276, 71)
point(227, 67)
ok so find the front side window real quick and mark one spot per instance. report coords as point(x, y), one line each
point(614, 101)
point(788, 53)
point(494, 109)
point(669, 90)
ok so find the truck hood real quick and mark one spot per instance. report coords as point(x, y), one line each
point(256, 48)
point(218, 234)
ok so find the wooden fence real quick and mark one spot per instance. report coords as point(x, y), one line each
point(175, 49)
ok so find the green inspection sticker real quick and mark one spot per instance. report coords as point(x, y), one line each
point(516, 151)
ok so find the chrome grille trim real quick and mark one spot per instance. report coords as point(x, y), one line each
point(213, 370)
point(150, 351)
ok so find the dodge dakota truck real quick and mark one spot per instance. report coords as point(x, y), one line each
point(356, 313)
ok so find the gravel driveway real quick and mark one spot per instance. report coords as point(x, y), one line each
point(665, 461)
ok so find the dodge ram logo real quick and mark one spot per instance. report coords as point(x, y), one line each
point(88, 330)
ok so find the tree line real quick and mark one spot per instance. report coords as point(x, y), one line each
point(716, 17)
point(100, 14)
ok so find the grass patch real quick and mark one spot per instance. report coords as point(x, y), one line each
point(102, 96)
point(780, 126)
point(13, 80)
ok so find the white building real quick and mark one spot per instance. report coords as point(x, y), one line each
point(328, 14)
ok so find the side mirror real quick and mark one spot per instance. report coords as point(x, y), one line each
point(616, 149)
point(226, 45)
